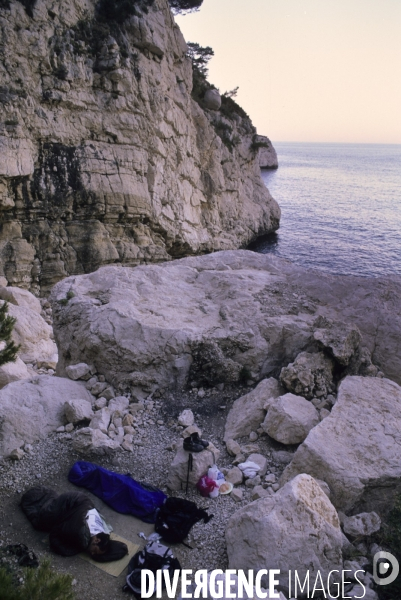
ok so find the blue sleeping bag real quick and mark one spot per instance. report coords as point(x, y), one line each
point(121, 492)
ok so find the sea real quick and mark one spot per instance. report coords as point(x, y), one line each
point(340, 207)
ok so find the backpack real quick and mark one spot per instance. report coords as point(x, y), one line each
point(176, 517)
point(155, 556)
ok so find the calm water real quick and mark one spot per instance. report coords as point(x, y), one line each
point(341, 207)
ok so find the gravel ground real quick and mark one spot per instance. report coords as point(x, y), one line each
point(49, 461)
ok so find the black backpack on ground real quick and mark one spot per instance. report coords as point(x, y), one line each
point(176, 517)
point(154, 556)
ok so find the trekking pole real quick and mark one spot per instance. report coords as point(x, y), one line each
point(190, 465)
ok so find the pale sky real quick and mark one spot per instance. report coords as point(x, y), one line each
point(307, 70)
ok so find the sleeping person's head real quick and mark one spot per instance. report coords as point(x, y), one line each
point(99, 544)
point(103, 549)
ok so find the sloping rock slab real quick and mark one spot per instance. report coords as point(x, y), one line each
point(297, 528)
point(32, 408)
point(356, 450)
point(205, 320)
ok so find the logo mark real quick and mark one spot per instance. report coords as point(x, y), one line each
point(385, 568)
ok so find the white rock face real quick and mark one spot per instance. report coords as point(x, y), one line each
point(363, 524)
point(203, 319)
point(33, 408)
point(267, 153)
point(33, 334)
point(296, 528)
point(78, 410)
point(125, 142)
point(356, 449)
point(20, 297)
point(290, 418)
point(248, 412)
point(13, 371)
point(88, 442)
point(177, 475)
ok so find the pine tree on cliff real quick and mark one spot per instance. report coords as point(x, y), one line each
point(9, 352)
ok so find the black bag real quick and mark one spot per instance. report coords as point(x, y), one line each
point(176, 517)
point(154, 556)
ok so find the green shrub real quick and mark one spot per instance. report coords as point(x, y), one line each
point(9, 353)
point(37, 584)
point(121, 10)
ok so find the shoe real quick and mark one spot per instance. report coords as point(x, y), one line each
point(195, 437)
point(191, 446)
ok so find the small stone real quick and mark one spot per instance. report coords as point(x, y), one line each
point(98, 388)
point(160, 422)
point(128, 447)
point(249, 448)
point(201, 393)
point(79, 371)
point(283, 457)
point(17, 454)
point(237, 494)
point(275, 487)
point(233, 448)
point(186, 418)
point(261, 461)
point(28, 448)
point(60, 429)
point(234, 476)
point(68, 428)
point(259, 492)
point(100, 403)
point(102, 378)
point(128, 420)
point(108, 393)
point(90, 383)
point(128, 430)
point(239, 459)
point(270, 478)
point(324, 413)
point(253, 436)
point(253, 481)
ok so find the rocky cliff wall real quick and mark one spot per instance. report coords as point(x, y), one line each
point(104, 156)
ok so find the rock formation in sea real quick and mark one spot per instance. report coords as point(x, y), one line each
point(105, 157)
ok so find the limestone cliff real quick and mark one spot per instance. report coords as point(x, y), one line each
point(104, 155)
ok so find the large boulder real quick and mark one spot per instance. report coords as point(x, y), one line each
point(290, 418)
point(32, 333)
point(296, 528)
point(311, 374)
point(20, 297)
point(33, 408)
point(212, 99)
point(356, 450)
point(249, 411)
point(179, 471)
point(13, 371)
point(93, 442)
point(206, 320)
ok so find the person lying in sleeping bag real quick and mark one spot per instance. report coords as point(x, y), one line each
point(73, 524)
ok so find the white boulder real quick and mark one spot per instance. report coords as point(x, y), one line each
point(186, 418)
point(201, 461)
point(290, 418)
point(296, 528)
point(89, 441)
point(32, 408)
point(248, 412)
point(32, 333)
point(212, 99)
point(101, 419)
point(363, 524)
point(13, 371)
point(356, 450)
point(20, 297)
point(78, 410)
point(79, 371)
